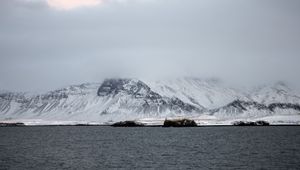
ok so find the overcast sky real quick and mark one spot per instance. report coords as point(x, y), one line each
point(46, 44)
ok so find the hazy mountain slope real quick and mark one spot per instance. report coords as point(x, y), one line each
point(275, 93)
point(205, 93)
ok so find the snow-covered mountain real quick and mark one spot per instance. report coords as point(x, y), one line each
point(208, 93)
point(276, 93)
point(123, 99)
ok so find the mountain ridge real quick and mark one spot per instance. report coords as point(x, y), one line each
point(121, 99)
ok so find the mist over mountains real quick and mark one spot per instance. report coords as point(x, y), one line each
point(41, 42)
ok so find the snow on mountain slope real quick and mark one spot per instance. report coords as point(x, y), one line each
point(136, 96)
point(59, 103)
point(276, 93)
point(123, 99)
point(94, 102)
point(204, 93)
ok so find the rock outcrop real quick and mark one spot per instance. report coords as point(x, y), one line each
point(180, 123)
point(128, 124)
point(257, 123)
point(11, 124)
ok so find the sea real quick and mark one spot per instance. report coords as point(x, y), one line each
point(100, 147)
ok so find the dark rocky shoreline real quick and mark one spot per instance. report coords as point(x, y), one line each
point(246, 123)
point(167, 123)
point(12, 124)
point(128, 124)
point(180, 123)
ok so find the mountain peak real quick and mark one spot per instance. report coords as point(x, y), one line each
point(115, 86)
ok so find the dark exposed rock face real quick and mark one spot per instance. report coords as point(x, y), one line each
point(180, 123)
point(147, 100)
point(257, 123)
point(112, 87)
point(136, 88)
point(175, 102)
point(241, 106)
point(273, 106)
point(128, 124)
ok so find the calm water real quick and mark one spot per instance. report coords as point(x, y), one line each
point(150, 148)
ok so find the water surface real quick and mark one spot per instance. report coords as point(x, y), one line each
point(149, 148)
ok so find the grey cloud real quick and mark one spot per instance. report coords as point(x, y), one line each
point(254, 40)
